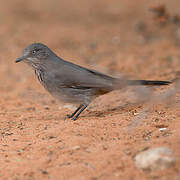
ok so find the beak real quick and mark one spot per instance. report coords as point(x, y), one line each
point(20, 59)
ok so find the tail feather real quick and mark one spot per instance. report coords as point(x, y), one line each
point(147, 82)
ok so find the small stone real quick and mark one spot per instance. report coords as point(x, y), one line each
point(127, 151)
point(75, 147)
point(155, 159)
point(46, 107)
point(44, 172)
point(52, 137)
point(8, 133)
point(162, 129)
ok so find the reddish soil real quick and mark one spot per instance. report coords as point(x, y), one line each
point(115, 37)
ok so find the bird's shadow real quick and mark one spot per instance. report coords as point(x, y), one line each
point(115, 110)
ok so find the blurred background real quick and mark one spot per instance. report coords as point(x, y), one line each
point(131, 37)
point(137, 38)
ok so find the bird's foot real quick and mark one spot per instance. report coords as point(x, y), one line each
point(74, 118)
point(69, 116)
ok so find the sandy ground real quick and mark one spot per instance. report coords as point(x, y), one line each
point(115, 37)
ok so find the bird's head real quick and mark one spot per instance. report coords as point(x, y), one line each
point(34, 54)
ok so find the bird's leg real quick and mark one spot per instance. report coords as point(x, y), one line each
point(70, 116)
point(84, 106)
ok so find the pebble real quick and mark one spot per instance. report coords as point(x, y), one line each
point(76, 147)
point(155, 159)
point(162, 129)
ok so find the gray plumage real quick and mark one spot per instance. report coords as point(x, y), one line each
point(69, 82)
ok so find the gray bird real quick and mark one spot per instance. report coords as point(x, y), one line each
point(70, 82)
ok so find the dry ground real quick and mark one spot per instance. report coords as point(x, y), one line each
point(115, 37)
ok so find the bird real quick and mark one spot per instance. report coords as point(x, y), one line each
point(72, 83)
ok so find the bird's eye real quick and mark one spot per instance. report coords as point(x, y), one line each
point(34, 51)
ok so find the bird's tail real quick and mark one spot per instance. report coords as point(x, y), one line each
point(147, 82)
point(121, 83)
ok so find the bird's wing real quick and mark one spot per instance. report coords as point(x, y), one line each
point(71, 75)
